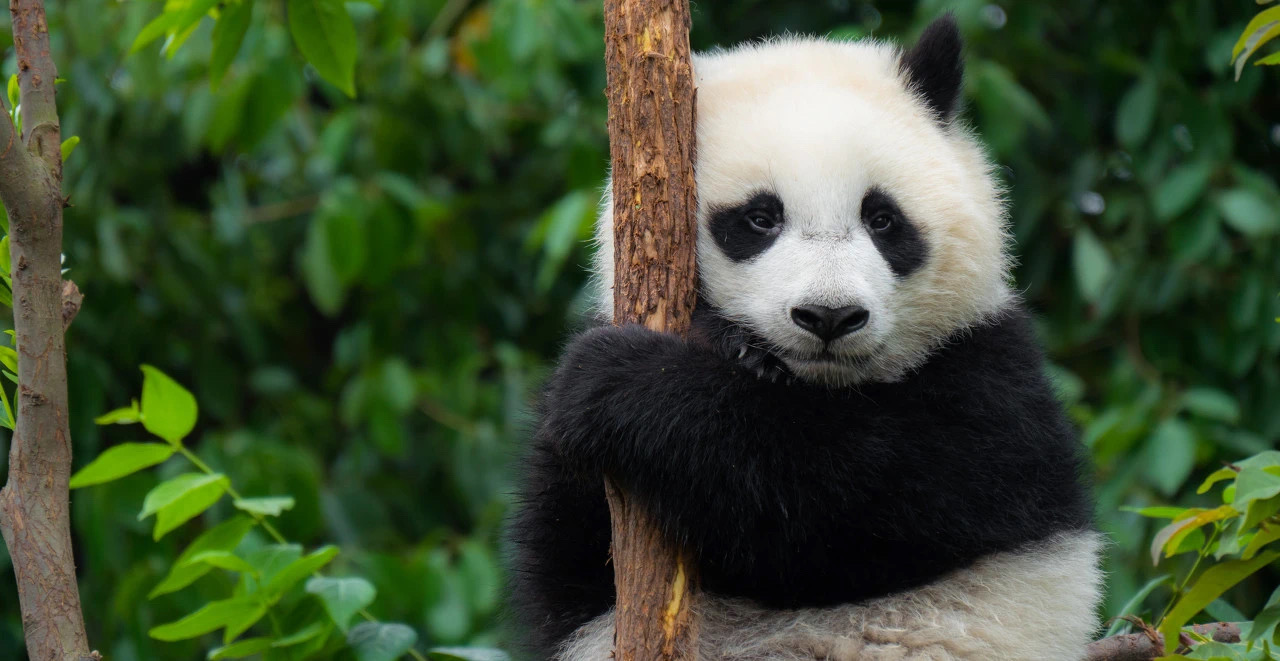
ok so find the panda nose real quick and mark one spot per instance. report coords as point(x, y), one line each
point(830, 323)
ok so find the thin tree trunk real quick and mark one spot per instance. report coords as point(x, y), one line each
point(651, 141)
point(33, 504)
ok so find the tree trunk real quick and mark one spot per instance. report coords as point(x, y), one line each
point(34, 514)
point(651, 142)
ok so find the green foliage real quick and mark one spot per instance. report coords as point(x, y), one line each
point(1240, 539)
point(269, 574)
point(363, 294)
point(1263, 28)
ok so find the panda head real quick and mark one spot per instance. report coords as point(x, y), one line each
point(845, 219)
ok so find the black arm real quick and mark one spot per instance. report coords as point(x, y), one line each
point(793, 494)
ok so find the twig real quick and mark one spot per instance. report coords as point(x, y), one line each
point(1150, 645)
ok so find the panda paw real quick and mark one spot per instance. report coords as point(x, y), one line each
point(763, 363)
point(737, 344)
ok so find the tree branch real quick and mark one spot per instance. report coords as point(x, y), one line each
point(1150, 645)
point(651, 142)
point(37, 77)
point(34, 516)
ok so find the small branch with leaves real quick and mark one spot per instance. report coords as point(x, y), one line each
point(274, 577)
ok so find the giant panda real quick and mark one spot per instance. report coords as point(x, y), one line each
point(857, 444)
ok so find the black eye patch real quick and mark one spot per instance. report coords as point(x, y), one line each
point(893, 234)
point(745, 230)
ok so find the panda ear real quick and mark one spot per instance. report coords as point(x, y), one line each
point(934, 67)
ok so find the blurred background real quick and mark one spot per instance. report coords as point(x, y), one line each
point(364, 294)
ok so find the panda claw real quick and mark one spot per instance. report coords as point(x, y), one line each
point(742, 352)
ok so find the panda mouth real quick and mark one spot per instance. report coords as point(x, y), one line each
point(827, 358)
point(855, 356)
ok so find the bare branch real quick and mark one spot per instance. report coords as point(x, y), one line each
point(1146, 646)
point(36, 78)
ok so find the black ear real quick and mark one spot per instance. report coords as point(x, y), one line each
point(934, 66)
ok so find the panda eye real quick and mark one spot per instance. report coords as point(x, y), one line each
point(761, 222)
point(881, 222)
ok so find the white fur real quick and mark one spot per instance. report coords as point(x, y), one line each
point(1026, 606)
point(819, 123)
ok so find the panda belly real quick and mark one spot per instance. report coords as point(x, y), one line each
point(1033, 604)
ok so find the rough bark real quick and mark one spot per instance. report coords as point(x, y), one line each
point(651, 142)
point(34, 502)
point(1146, 646)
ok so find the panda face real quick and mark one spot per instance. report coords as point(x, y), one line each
point(820, 288)
point(844, 219)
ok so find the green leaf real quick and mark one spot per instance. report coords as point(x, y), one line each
point(342, 597)
point(159, 26)
point(1215, 477)
point(182, 498)
point(302, 635)
point(1137, 112)
point(241, 623)
point(379, 641)
point(228, 35)
point(1170, 455)
point(6, 270)
point(1251, 37)
point(1212, 404)
point(1135, 602)
point(1263, 538)
point(1093, 266)
point(15, 92)
point(480, 574)
point(1254, 483)
point(170, 491)
point(127, 415)
point(189, 506)
point(119, 461)
point(210, 617)
point(68, 146)
point(271, 559)
point(1247, 212)
point(1169, 537)
point(241, 649)
point(1264, 625)
point(224, 560)
point(266, 506)
point(325, 35)
point(1159, 512)
point(224, 536)
point(1215, 581)
point(1181, 189)
point(9, 357)
point(298, 570)
point(168, 410)
point(1265, 459)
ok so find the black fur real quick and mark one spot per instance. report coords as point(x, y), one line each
point(901, 244)
point(935, 66)
point(788, 493)
point(734, 232)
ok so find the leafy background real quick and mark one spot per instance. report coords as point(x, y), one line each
point(363, 293)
